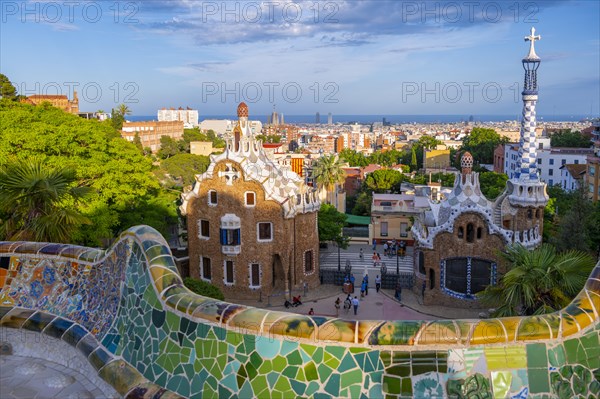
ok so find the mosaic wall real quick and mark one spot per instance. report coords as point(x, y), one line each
point(199, 347)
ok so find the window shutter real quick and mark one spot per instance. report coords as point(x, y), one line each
point(236, 237)
point(223, 237)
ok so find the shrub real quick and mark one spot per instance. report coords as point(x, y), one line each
point(203, 288)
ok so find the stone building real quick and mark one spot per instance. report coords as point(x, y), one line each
point(59, 101)
point(252, 224)
point(459, 240)
point(150, 132)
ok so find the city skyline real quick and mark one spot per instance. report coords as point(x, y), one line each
point(341, 57)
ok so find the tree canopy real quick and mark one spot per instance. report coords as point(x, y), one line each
point(383, 180)
point(567, 138)
point(115, 169)
point(538, 281)
point(492, 184)
point(7, 90)
point(481, 143)
point(330, 223)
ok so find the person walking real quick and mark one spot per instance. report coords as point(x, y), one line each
point(361, 255)
point(374, 244)
point(352, 282)
point(363, 288)
point(337, 306)
point(311, 312)
point(366, 280)
point(398, 293)
point(402, 248)
point(385, 248)
point(355, 304)
point(377, 283)
point(374, 257)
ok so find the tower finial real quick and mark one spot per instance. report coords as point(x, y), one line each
point(532, 38)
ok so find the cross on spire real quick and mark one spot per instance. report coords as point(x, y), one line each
point(532, 38)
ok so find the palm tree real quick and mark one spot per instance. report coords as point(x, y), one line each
point(328, 172)
point(123, 109)
point(539, 281)
point(36, 202)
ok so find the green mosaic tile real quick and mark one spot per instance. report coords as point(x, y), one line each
point(259, 383)
point(283, 385)
point(399, 370)
point(391, 385)
point(317, 356)
point(290, 372)
point(242, 376)
point(538, 380)
point(300, 376)
point(351, 377)
point(557, 356)
point(310, 371)
point(265, 367)
point(592, 350)
point(298, 387)
point(279, 363)
point(406, 388)
point(354, 391)
point(347, 363)
point(312, 387)
point(336, 351)
point(294, 358)
point(272, 378)
point(536, 356)
point(324, 372)
point(330, 360)
point(386, 357)
point(246, 391)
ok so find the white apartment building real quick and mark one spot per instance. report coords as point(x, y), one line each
point(188, 116)
point(222, 126)
point(549, 160)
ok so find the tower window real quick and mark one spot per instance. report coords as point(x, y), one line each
point(250, 198)
point(205, 268)
point(212, 197)
point(470, 232)
point(529, 214)
point(254, 275)
point(537, 213)
point(204, 229)
point(461, 232)
point(479, 233)
point(228, 272)
point(265, 231)
point(308, 261)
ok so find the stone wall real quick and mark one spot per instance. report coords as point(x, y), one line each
point(284, 255)
point(449, 245)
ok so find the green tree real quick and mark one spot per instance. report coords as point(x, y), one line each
point(330, 224)
point(414, 165)
point(116, 119)
point(492, 184)
point(567, 138)
point(362, 206)
point(327, 172)
point(354, 158)
point(168, 147)
point(7, 90)
point(574, 228)
point(36, 202)
point(123, 110)
point(138, 142)
point(428, 142)
point(383, 180)
point(481, 143)
point(538, 281)
point(184, 167)
point(271, 138)
point(119, 175)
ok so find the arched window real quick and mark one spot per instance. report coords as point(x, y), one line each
point(464, 277)
point(461, 232)
point(529, 214)
point(470, 232)
point(537, 213)
point(479, 233)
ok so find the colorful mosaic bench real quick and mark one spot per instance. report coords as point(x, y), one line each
point(142, 319)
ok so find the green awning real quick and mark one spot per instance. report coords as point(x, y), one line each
point(360, 220)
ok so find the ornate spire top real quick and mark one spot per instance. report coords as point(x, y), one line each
point(466, 163)
point(532, 38)
point(242, 110)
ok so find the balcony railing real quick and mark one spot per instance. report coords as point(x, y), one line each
point(393, 208)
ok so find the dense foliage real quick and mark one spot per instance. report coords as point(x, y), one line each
point(481, 143)
point(181, 168)
point(330, 223)
point(203, 288)
point(538, 281)
point(567, 138)
point(7, 90)
point(123, 187)
point(36, 202)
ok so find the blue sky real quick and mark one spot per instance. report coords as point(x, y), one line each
point(349, 57)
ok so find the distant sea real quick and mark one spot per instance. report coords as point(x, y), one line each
point(368, 119)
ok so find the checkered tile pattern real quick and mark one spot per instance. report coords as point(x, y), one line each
point(528, 143)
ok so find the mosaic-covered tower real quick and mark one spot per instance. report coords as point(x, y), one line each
point(525, 190)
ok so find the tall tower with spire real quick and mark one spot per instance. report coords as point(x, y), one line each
point(525, 189)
